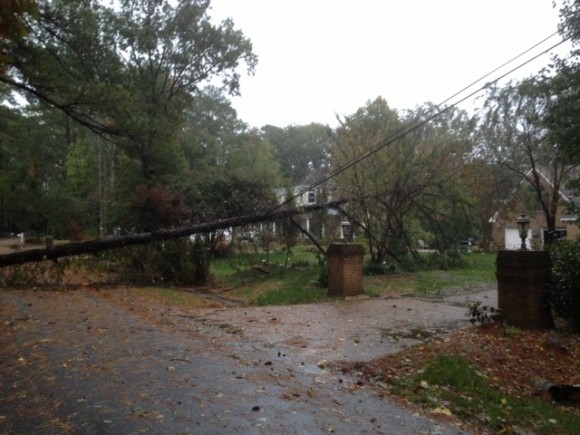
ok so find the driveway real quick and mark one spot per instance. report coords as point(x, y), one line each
point(97, 361)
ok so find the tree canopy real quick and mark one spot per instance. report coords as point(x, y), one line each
point(112, 88)
point(123, 123)
point(409, 188)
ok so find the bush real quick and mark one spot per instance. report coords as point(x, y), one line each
point(409, 263)
point(452, 259)
point(323, 272)
point(177, 262)
point(564, 286)
point(371, 268)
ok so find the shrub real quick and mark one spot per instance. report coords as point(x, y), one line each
point(323, 272)
point(178, 262)
point(451, 259)
point(564, 286)
point(411, 263)
point(371, 268)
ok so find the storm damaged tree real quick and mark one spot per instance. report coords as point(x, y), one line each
point(562, 83)
point(514, 135)
point(407, 183)
point(97, 63)
point(128, 73)
point(230, 170)
point(487, 186)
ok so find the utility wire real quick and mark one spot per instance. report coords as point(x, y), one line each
point(513, 59)
point(417, 123)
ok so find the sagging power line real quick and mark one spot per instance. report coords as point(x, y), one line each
point(417, 123)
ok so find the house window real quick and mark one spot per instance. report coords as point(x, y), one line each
point(558, 234)
point(311, 196)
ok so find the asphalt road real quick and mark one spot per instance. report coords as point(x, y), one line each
point(102, 361)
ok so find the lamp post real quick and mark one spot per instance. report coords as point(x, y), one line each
point(345, 229)
point(523, 226)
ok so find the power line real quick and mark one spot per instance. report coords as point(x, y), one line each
point(513, 59)
point(417, 123)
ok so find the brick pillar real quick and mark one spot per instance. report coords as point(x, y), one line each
point(521, 282)
point(345, 269)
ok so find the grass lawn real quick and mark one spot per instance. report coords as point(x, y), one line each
point(486, 377)
point(480, 268)
point(268, 279)
point(450, 385)
point(265, 279)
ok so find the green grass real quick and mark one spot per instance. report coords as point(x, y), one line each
point(262, 279)
point(230, 270)
point(450, 385)
point(298, 287)
point(478, 269)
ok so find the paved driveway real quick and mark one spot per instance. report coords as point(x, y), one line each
point(104, 361)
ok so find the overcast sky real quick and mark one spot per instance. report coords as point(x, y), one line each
point(322, 58)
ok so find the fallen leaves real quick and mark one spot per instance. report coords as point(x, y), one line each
point(512, 359)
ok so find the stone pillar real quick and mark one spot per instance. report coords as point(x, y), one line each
point(522, 277)
point(345, 269)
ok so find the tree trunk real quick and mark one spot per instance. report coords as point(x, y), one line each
point(94, 246)
point(309, 235)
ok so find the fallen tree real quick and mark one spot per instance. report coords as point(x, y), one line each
point(95, 246)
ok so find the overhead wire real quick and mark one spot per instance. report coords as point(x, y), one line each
point(417, 123)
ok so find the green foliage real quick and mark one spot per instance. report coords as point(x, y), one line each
point(261, 277)
point(154, 208)
point(175, 262)
point(450, 385)
point(564, 286)
point(323, 271)
point(299, 149)
point(223, 196)
point(131, 73)
point(371, 268)
point(410, 185)
point(13, 17)
point(563, 84)
point(450, 259)
point(515, 134)
point(414, 263)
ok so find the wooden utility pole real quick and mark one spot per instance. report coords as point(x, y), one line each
point(94, 246)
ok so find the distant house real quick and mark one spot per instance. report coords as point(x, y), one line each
point(306, 193)
point(505, 231)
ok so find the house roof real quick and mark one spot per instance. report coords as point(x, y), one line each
point(566, 194)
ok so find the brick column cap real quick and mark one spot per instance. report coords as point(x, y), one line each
point(345, 249)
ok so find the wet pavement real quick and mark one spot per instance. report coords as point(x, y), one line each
point(102, 361)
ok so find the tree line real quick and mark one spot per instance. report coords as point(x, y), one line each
point(116, 119)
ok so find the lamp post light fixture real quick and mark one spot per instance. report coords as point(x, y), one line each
point(346, 231)
point(523, 226)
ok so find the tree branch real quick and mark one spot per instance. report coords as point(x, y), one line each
point(309, 235)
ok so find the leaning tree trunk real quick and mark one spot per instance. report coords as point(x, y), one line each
point(94, 246)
